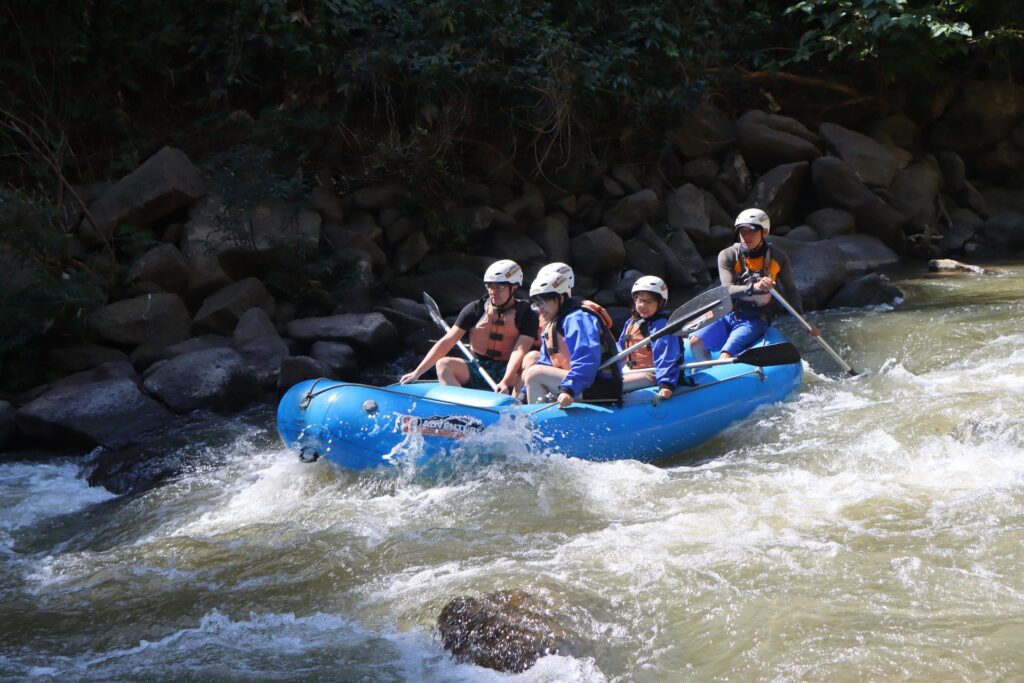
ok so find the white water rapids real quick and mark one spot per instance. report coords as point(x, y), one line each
point(865, 529)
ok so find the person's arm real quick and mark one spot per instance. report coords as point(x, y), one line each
point(666, 362)
point(583, 336)
point(438, 351)
point(515, 363)
point(726, 263)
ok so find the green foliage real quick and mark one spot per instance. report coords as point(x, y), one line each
point(900, 39)
point(39, 296)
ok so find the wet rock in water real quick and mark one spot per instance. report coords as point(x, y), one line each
point(113, 413)
point(948, 265)
point(869, 290)
point(8, 427)
point(503, 630)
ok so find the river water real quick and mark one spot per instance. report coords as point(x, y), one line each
point(865, 529)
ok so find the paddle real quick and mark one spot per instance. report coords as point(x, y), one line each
point(807, 326)
point(702, 310)
point(761, 356)
point(435, 314)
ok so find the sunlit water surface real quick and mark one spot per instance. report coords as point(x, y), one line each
point(866, 529)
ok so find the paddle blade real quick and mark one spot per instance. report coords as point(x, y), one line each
point(775, 354)
point(434, 311)
point(701, 311)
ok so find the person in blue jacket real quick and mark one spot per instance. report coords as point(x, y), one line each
point(657, 363)
point(576, 340)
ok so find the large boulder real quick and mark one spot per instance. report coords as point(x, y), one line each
point(703, 131)
point(209, 232)
point(114, 414)
point(691, 260)
point(677, 274)
point(221, 311)
point(687, 210)
point(1005, 228)
point(69, 359)
point(872, 289)
point(504, 630)
point(519, 248)
point(327, 203)
point(839, 187)
point(257, 339)
point(275, 223)
point(819, 269)
point(769, 140)
point(874, 163)
point(1000, 162)
point(830, 223)
point(454, 288)
point(8, 424)
point(865, 253)
point(778, 191)
point(370, 332)
point(632, 211)
point(339, 358)
point(981, 114)
point(163, 184)
point(295, 369)
point(215, 379)
point(163, 266)
point(551, 233)
point(915, 194)
point(598, 252)
point(159, 318)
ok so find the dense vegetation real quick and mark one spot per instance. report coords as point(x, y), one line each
point(349, 91)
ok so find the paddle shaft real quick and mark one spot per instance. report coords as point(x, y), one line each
point(807, 326)
point(435, 314)
point(684, 317)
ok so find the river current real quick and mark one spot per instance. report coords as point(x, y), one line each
point(865, 529)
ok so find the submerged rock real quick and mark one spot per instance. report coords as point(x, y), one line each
point(503, 630)
point(947, 265)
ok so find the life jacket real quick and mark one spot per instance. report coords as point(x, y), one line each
point(554, 340)
point(494, 335)
point(638, 329)
point(748, 270)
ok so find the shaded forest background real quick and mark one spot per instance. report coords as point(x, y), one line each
point(271, 98)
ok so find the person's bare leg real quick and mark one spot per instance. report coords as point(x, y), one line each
point(698, 350)
point(542, 379)
point(637, 379)
point(452, 371)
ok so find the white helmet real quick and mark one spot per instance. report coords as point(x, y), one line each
point(652, 284)
point(755, 217)
point(504, 271)
point(558, 268)
point(550, 283)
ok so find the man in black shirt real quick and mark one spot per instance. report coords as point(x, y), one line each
point(501, 330)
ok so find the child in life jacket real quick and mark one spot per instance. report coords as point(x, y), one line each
point(658, 363)
point(576, 340)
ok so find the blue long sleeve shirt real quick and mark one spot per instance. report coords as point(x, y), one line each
point(582, 333)
point(665, 353)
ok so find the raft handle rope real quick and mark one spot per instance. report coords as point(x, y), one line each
point(310, 395)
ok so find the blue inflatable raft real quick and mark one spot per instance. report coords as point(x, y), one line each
point(359, 426)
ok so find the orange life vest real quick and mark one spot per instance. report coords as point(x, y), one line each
point(638, 329)
point(748, 269)
point(554, 340)
point(495, 334)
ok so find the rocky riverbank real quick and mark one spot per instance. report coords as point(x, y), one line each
point(196, 328)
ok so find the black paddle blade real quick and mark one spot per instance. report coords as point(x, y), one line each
point(701, 311)
point(775, 354)
point(434, 311)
